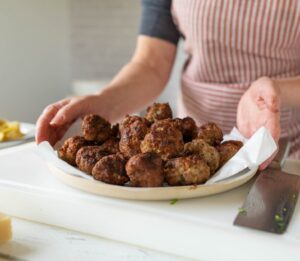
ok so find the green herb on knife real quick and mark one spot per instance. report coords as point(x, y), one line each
point(173, 201)
point(280, 222)
point(278, 218)
point(242, 211)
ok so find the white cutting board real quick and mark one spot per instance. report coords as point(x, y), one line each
point(196, 228)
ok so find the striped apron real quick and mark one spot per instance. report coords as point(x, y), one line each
point(230, 44)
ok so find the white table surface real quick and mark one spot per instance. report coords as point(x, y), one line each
point(198, 228)
point(38, 242)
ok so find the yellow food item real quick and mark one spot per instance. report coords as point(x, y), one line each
point(5, 228)
point(10, 130)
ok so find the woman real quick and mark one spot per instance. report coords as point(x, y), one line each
point(243, 68)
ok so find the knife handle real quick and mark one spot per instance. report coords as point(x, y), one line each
point(283, 151)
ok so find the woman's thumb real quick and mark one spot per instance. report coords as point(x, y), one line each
point(271, 98)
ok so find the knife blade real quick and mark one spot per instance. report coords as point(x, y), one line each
point(271, 201)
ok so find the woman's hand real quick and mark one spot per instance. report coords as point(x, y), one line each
point(260, 106)
point(57, 117)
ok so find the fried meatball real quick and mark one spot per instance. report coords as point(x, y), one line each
point(188, 170)
point(158, 111)
point(177, 123)
point(115, 132)
point(188, 128)
point(145, 170)
point(87, 157)
point(163, 139)
point(68, 150)
point(95, 128)
point(133, 130)
point(110, 146)
point(228, 149)
point(211, 133)
point(111, 169)
point(208, 153)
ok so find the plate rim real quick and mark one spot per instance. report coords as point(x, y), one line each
point(148, 194)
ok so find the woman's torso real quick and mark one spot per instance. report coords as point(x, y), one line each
point(231, 44)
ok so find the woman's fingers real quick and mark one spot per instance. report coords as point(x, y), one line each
point(50, 111)
point(68, 114)
point(270, 94)
point(76, 108)
point(63, 119)
point(56, 133)
point(273, 126)
point(44, 130)
point(260, 106)
point(57, 117)
point(271, 100)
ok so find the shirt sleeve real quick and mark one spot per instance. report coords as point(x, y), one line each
point(156, 20)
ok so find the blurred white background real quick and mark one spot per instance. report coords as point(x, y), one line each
point(34, 56)
point(53, 48)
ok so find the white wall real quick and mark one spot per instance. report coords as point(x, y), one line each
point(34, 56)
point(103, 36)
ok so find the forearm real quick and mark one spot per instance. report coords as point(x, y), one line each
point(289, 89)
point(141, 80)
point(135, 86)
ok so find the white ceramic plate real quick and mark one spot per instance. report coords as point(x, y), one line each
point(160, 193)
point(29, 131)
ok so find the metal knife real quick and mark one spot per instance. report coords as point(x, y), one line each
point(271, 201)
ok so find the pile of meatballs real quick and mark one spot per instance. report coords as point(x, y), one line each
point(151, 151)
